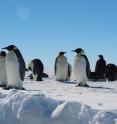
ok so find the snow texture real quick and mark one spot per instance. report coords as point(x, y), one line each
point(52, 102)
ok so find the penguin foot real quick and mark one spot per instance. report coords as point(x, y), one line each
point(20, 88)
point(86, 85)
point(2, 85)
point(82, 85)
point(60, 81)
point(77, 85)
point(6, 88)
point(23, 88)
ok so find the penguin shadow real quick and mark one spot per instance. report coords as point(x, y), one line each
point(29, 90)
point(68, 82)
point(100, 87)
point(8, 88)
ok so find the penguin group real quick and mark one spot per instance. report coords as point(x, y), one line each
point(81, 68)
point(104, 71)
point(13, 68)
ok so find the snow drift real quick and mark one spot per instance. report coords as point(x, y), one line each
point(27, 107)
point(52, 102)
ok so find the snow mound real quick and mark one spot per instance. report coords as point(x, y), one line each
point(33, 107)
point(53, 102)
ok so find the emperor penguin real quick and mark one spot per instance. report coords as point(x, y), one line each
point(61, 67)
point(3, 75)
point(37, 68)
point(80, 68)
point(15, 68)
point(100, 65)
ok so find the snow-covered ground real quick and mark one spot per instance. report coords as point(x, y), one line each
point(52, 102)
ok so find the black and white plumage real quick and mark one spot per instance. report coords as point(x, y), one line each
point(61, 67)
point(81, 67)
point(37, 68)
point(15, 67)
point(3, 75)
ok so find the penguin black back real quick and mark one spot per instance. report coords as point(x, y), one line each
point(55, 65)
point(88, 70)
point(22, 66)
point(37, 68)
point(100, 65)
point(111, 72)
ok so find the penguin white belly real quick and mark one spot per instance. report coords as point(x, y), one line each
point(61, 71)
point(80, 70)
point(3, 75)
point(12, 69)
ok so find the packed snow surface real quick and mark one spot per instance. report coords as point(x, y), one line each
point(53, 102)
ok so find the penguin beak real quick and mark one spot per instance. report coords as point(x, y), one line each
point(5, 48)
point(73, 50)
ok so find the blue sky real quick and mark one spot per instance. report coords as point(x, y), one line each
point(42, 28)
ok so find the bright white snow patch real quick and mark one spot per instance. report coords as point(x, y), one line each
point(52, 102)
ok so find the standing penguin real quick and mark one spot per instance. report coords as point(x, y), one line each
point(61, 67)
point(3, 75)
point(37, 68)
point(100, 65)
point(80, 68)
point(15, 68)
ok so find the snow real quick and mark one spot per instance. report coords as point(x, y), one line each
point(53, 102)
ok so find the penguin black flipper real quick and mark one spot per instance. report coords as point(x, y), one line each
point(88, 70)
point(22, 66)
point(55, 67)
point(31, 77)
point(69, 70)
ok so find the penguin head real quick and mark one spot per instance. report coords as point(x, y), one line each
point(101, 56)
point(61, 53)
point(79, 51)
point(11, 47)
point(61, 56)
point(2, 54)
